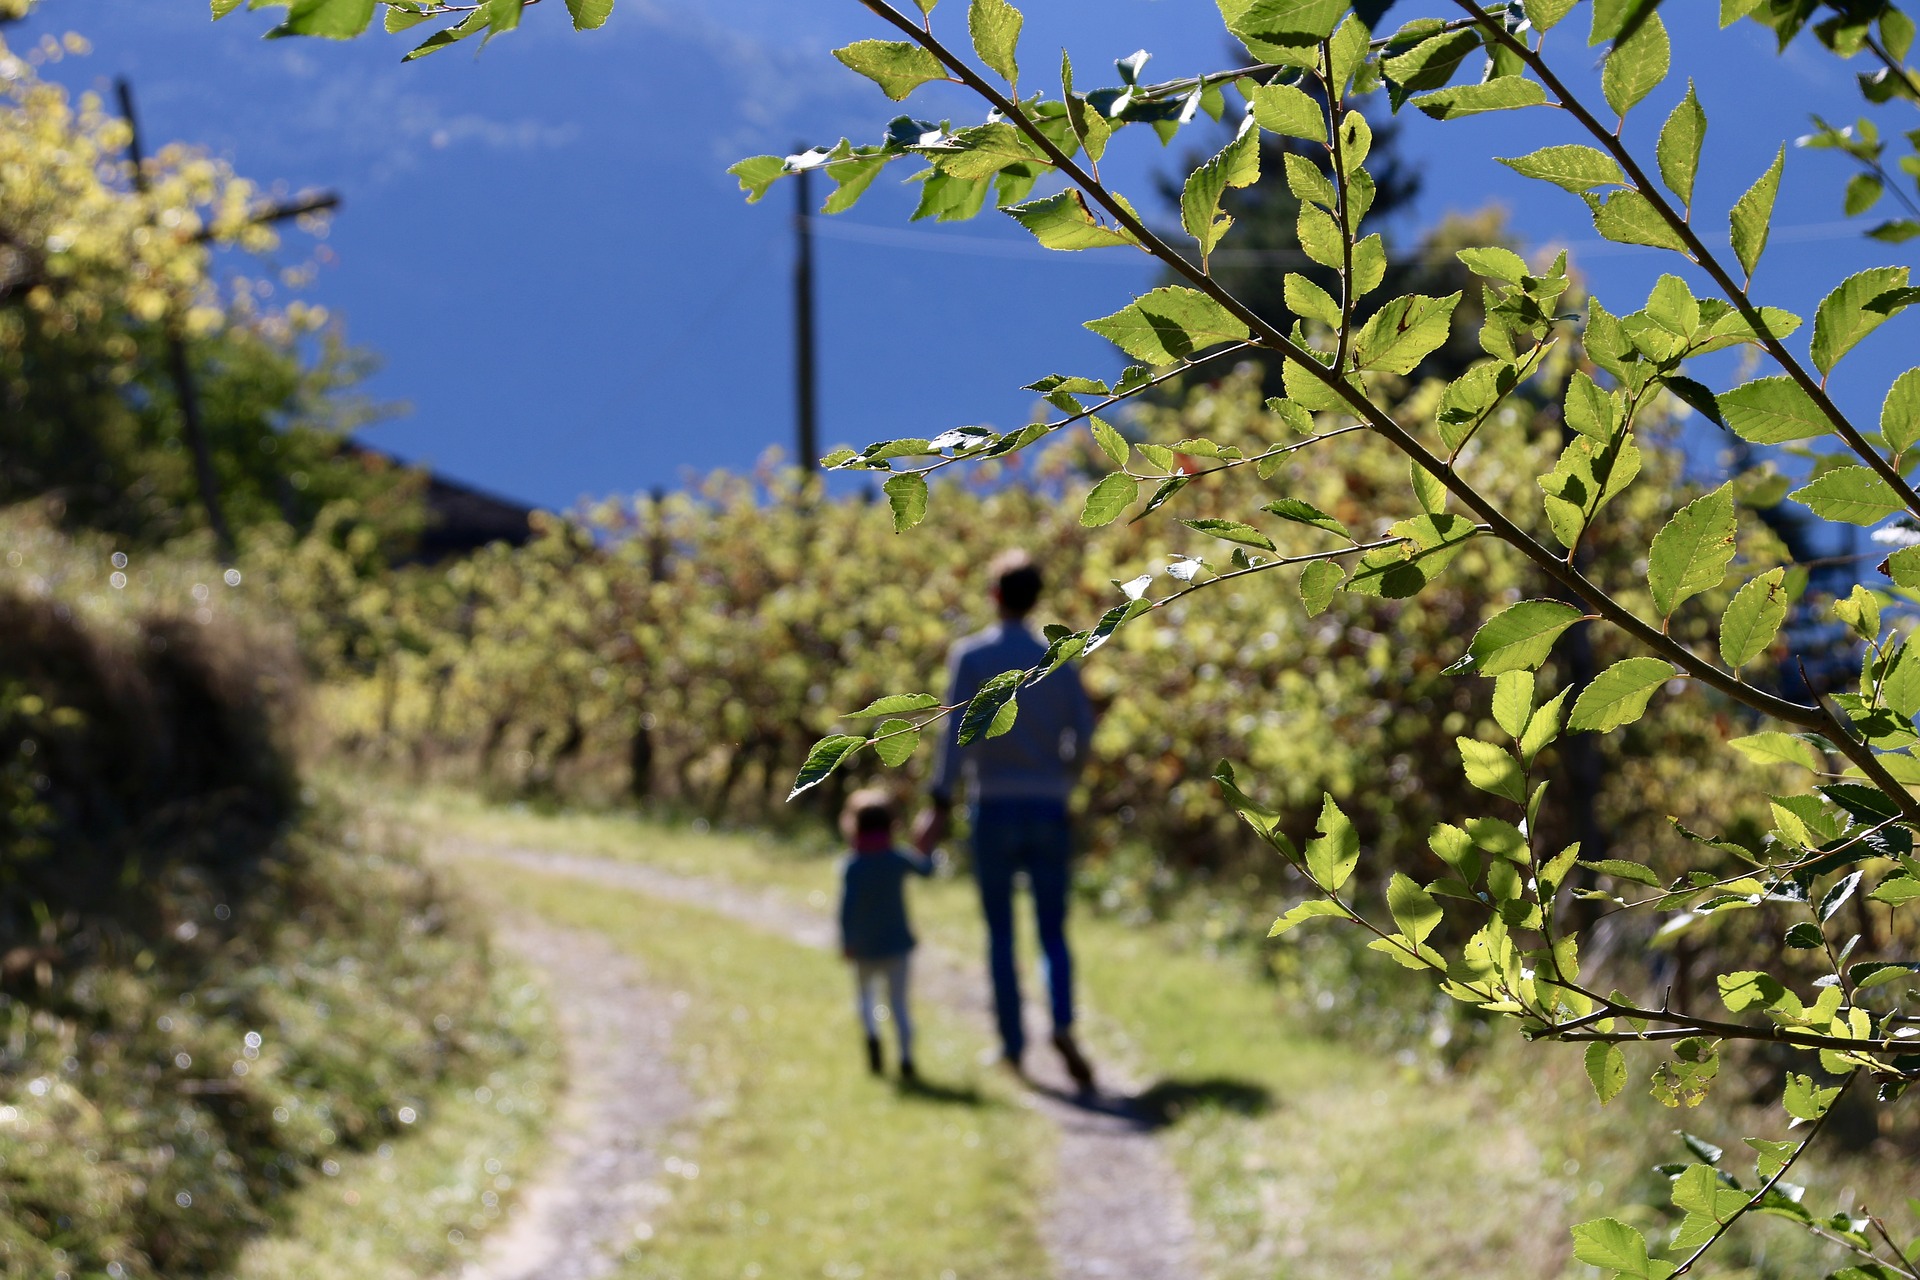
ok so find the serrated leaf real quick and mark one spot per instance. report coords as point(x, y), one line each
point(1546, 14)
point(1306, 299)
point(1896, 891)
point(1752, 216)
point(1518, 638)
point(1607, 1069)
point(1113, 495)
point(1493, 769)
point(1852, 495)
point(757, 173)
point(1169, 325)
point(1692, 552)
point(1627, 217)
point(1231, 531)
point(827, 755)
point(1412, 907)
point(1637, 65)
point(1285, 110)
point(1318, 581)
point(1900, 414)
point(1774, 747)
point(1513, 701)
point(1804, 1100)
point(995, 28)
point(1612, 1245)
point(1064, 222)
point(1544, 726)
point(1111, 442)
point(589, 15)
point(894, 741)
point(984, 712)
point(895, 65)
point(1403, 333)
point(1236, 165)
point(1753, 617)
point(1317, 909)
point(907, 496)
point(1844, 317)
point(1772, 411)
point(1678, 150)
point(1570, 166)
point(1621, 869)
point(1335, 849)
point(1459, 101)
point(328, 19)
point(1618, 696)
point(1290, 22)
point(895, 704)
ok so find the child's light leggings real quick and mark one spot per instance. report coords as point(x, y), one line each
point(867, 975)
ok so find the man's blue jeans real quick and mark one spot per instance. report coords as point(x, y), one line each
point(1010, 836)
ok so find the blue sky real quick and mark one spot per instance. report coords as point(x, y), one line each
point(542, 245)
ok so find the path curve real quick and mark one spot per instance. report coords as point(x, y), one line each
point(1117, 1210)
point(602, 1176)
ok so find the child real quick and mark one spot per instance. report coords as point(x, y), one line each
point(874, 934)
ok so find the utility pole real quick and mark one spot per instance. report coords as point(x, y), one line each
point(179, 368)
point(807, 438)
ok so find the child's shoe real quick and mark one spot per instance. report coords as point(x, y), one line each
point(873, 1055)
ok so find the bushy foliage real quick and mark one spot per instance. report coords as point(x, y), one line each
point(208, 985)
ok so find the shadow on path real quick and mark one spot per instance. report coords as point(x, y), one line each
point(1165, 1102)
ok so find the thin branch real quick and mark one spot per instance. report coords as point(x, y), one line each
point(1815, 388)
point(1770, 1183)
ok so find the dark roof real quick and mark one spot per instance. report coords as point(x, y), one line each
point(461, 519)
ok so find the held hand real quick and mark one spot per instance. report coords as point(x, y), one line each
point(930, 829)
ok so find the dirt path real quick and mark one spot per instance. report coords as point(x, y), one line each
point(1118, 1210)
point(602, 1177)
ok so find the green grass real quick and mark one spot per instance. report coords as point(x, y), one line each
point(804, 1164)
point(1306, 1155)
point(420, 1204)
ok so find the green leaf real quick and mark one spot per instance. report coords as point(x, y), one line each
point(1844, 316)
point(995, 28)
point(1513, 701)
point(1169, 325)
point(1878, 973)
point(1231, 531)
point(1289, 21)
point(1607, 1068)
point(1571, 166)
point(1505, 94)
point(1637, 65)
point(757, 174)
point(1853, 495)
point(1772, 411)
point(1495, 263)
point(1492, 768)
point(1111, 442)
point(1804, 1100)
point(1332, 853)
point(330, 19)
point(1612, 1245)
point(1237, 165)
point(1430, 63)
point(1618, 696)
point(1403, 333)
point(1543, 726)
point(1752, 215)
point(396, 21)
point(1627, 217)
point(1403, 570)
point(1318, 581)
point(1285, 110)
point(1692, 552)
point(1679, 147)
point(1546, 14)
point(1616, 19)
point(1896, 891)
point(1065, 222)
point(1317, 909)
point(1753, 618)
point(1774, 747)
point(895, 704)
point(1900, 415)
point(1518, 638)
point(1306, 299)
point(1113, 495)
point(894, 741)
point(589, 15)
point(1412, 907)
point(827, 755)
point(907, 495)
point(895, 65)
point(989, 707)
point(1620, 869)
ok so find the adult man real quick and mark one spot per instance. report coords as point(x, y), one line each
point(1019, 784)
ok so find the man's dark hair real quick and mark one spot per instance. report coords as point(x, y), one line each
point(1017, 581)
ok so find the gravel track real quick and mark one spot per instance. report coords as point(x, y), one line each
point(1117, 1209)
